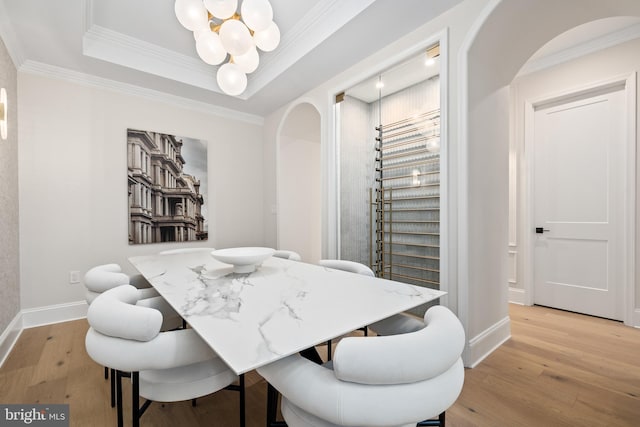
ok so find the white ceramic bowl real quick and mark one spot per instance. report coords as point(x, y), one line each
point(244, 260)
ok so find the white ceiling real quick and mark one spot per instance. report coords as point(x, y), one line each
point(396, 78)
point(139, 43)
point(586, 33)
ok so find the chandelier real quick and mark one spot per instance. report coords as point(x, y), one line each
point(221, 32)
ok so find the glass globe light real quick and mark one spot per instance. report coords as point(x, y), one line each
point(202, 27)
point(221, 9)
point(248, 62)
point(191, 14)
point(200, 32)
point(231, 79)
point(235, 37)
point(257, 14)
point(210, 49)
point(267, 39)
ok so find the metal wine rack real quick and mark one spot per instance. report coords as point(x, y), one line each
point(405, 202)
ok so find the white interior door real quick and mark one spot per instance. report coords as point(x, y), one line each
point(579, 191)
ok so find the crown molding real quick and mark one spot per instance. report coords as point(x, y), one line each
point(586, 48)
point(111, 46)
point(319, 23)
point(59, 73)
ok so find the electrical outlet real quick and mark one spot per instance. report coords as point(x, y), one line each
point(74, 277)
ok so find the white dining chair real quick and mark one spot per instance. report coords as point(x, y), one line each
point(282, 253)
point(106, 276)
point(396, 324)
point(103, 277)
point(344, 265)
point(398, 380)
point(164, 366)
point(352, 267)
point(400, 323)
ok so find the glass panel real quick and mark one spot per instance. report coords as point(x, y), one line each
point(390, 173)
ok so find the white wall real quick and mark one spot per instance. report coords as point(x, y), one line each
point(299, 184)
point(299, 199)
point(73, 180)
point(621, 60)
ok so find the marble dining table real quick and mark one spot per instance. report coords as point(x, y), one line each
point(283, 307)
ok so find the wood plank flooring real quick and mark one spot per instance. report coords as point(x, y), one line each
point(558, 369)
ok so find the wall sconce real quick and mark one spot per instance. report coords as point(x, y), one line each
point(3, 113)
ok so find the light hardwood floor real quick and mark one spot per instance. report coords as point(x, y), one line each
point(558, 369)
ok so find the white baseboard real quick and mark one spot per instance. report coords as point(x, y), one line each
point(636, 318)
point(516, 296)
point(32, 317)
point(9, 337)
point(41, 316)
point(486, 342)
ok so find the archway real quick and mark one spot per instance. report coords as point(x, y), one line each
point(298, 178)
point(507, 34)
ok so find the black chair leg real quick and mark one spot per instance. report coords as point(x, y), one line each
point(312, 355)
point(119, 397)
point(242, 401)
point(240, 388)
point(439, 422)
point(135, 399)
point(272, 404)
point(113, 388)
point(328, 350)
point(272, 407)
point(106, 373)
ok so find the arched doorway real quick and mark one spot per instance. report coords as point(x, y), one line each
point(503, 39)
point(588, 70)
point(298, 177)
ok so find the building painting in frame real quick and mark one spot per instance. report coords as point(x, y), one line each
point(167, 187)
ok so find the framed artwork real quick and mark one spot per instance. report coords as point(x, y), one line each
point(167, 187)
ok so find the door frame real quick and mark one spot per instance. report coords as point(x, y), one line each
point(332, 153)
point(628, 84)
